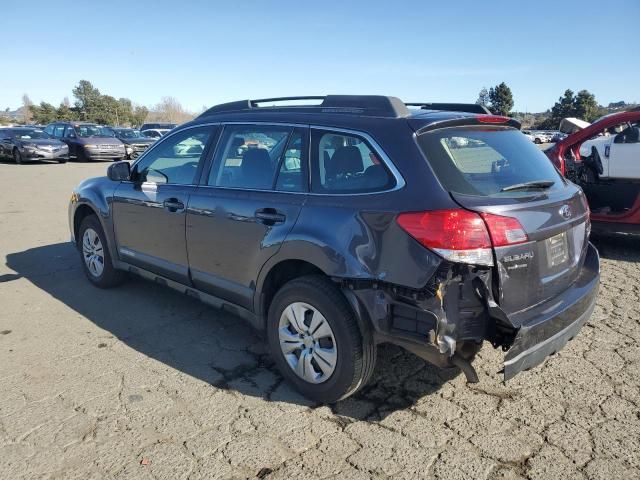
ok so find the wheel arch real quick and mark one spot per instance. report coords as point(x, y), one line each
point(82, 211)
point(273, 277)
point(279, 273)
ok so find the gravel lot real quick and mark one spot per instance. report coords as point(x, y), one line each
point(141, 382)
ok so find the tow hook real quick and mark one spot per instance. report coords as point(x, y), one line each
point(466, 367)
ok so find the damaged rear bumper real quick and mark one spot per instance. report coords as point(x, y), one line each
point(546, 328)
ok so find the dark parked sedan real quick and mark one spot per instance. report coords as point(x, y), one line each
point(31, 144)
point(87, 141)
point(134, 142)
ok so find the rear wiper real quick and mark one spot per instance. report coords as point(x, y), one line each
point(527, 185)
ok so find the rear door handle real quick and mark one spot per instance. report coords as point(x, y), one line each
point(173, 205)
point(270, 216)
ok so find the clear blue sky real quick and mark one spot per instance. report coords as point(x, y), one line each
point(206, 52)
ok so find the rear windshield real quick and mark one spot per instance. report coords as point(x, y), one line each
point(484, 160)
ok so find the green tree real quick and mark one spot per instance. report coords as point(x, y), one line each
point(483, 97)
point(66, 113)
point(564, 107)
point(585, 106)
point(139, 115)
point(88, 100)
point(43, 113)
point(500, 99)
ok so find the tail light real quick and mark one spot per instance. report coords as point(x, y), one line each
point(587, 210)
point(462, 236)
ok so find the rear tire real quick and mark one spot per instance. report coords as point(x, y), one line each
point(94, 254)
point(322, 350)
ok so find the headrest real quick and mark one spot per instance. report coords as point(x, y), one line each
point(256, 161)
point(346, 160)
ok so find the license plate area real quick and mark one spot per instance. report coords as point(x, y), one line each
point(557, 250)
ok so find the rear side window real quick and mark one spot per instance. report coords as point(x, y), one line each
point(346, 163)
point(482, 161)
point(260, 157)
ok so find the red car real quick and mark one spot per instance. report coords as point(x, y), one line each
point(604, 159)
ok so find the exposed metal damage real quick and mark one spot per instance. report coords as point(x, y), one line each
point(446, 322)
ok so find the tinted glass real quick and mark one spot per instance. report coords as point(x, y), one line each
point(58, 131)
point(347, 163)
point(484, 160)
point(249, 156)
point(174, 160)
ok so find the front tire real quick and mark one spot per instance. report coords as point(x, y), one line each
point(316, 341)
point(17, 156)
point(95, 257)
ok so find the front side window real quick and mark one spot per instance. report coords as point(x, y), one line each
point(174, 160)
point(260, 157)
point(58, 131)
point(346, 163)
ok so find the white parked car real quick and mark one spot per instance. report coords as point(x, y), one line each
point(616, 152)
point(528, 134)
point(541, 137)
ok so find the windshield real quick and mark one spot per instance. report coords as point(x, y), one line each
point(128, 134)
point(25, 134)
point(85, 131)
point(485, 161)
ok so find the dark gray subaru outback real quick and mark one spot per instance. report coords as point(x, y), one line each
point(356, 221)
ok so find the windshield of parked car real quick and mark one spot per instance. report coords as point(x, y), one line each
point(85, 131)
point(486, 161)
point(28, 134)
point(128, 133)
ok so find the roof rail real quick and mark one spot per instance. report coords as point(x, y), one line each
point(452, 107)
point(370, 105)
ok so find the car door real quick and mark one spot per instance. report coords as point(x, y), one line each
point(149, 211)
point(248, 202)
point(70, 138)
point(624, 154)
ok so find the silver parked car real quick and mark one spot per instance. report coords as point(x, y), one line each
point(25, 144)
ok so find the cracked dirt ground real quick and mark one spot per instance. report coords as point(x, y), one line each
point(141, 382)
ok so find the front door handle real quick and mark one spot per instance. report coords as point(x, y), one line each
point(269, 216)
point(173, 205)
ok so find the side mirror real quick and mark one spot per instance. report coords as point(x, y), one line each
point(119, 171)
